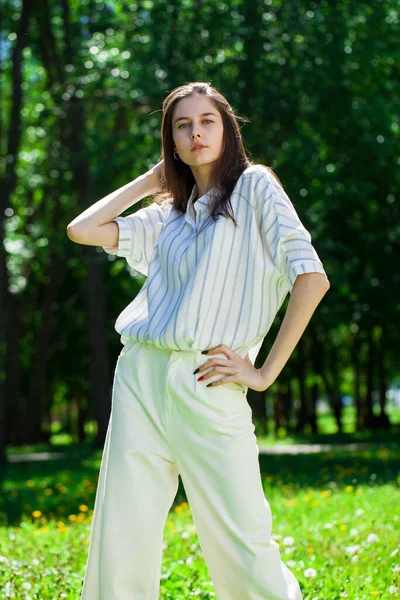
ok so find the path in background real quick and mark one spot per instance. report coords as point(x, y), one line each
point(271, 449)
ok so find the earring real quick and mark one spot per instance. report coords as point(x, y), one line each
point(175, 156)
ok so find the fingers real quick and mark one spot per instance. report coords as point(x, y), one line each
point(216, 371)
point(207, 365)
point(218, 349)
point(213, 362)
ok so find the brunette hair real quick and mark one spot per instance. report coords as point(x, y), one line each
point(177, 179)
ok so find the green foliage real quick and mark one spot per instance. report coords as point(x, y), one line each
point(319, 84)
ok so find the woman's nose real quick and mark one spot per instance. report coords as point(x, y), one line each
point(195, 131)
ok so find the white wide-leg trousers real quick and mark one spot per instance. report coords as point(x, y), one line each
point(165, 423)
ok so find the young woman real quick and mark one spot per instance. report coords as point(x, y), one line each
point(221, 246)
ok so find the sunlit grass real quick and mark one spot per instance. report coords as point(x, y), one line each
point(335, 517)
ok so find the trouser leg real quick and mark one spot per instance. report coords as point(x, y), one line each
point(137, 484)
point(212, 436)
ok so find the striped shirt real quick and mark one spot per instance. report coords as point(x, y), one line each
point(222, 286)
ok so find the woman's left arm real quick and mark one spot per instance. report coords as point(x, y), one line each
point(307, 292)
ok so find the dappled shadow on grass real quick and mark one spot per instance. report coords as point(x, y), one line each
point(80, 448)
point(389, 437)
point(59, 488)
point(361, 467)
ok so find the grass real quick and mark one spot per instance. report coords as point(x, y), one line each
point(335, 517)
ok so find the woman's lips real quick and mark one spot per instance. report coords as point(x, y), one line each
point(199, 148)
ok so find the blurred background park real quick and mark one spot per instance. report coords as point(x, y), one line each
point(82, 85)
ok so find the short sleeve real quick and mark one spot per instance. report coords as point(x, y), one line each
point(288, 241)
point(138, 235)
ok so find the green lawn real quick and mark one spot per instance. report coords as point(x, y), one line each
point(335, 516)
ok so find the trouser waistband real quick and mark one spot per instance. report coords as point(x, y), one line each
point(242, 351)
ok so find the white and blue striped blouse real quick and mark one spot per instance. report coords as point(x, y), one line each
point(223, 286)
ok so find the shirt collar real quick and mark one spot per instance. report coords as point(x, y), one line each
point(194, 209)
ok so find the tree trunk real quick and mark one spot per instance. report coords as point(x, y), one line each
point(99, 360)
point(313, 408)
point(7, 183)
point(40, 356)
point(383, 419)
point(357, 380)
point(15, 415)
point(369, 417)
point(74, 139)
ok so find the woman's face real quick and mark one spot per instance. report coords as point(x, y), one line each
point(191, 125)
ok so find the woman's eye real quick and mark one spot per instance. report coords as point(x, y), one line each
point(209, 120)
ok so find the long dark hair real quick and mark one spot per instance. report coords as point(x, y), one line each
point(177, 179)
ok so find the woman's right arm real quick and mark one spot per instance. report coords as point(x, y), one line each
point(95, 226)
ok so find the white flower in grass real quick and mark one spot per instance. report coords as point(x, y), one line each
point(165, 575)
point(353, 532)
point(343, 594)
point(194, 547)
point(310, 572)
point(288, 541)
point(395, 568)
point(189, 560)
point(354, 558)
point(372, 538)
point(352, 549)
point(185, 535)
point(328, 526)
point(393, 589)
point(3, 559)
point(27, 585)
point(36, 562)
point(359, 512)
point(291, 563)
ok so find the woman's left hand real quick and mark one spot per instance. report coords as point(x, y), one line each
point(234, 368)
